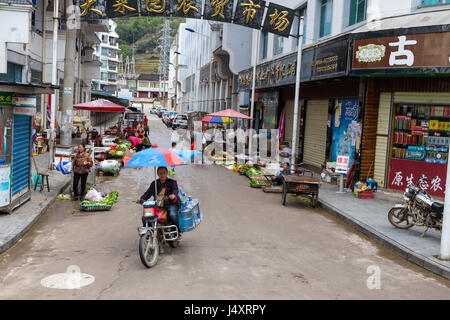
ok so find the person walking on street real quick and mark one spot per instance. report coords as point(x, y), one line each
point(81, 163)
point(172, 170)
point(146, 128)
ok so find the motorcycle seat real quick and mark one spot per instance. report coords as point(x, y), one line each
point(437, 208)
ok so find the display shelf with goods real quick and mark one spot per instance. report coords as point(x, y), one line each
point(420, 137)
point(421, 133)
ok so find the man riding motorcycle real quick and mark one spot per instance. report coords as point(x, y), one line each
point(167, 191)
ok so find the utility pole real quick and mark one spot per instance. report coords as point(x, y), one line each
point(164, 56)
point(54, 82)
point(445, 232)
point(69, 79)
point(297, 92)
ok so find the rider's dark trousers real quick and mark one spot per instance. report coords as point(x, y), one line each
point(172, 213)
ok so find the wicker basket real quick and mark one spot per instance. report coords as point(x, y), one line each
point(95, 208)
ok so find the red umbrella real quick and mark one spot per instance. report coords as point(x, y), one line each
point(100, 105)
point(229, 113)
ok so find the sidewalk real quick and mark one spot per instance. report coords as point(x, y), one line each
point(369, 216)
point(13, 226)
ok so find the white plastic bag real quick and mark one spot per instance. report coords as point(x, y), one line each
point(93, 195)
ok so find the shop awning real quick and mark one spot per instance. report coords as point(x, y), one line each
point(100, 105)
point(229, 113)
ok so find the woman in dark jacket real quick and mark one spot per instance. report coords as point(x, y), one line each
point(81, 163)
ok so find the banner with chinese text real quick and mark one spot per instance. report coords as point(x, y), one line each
point(248, 13)
point(402, 172)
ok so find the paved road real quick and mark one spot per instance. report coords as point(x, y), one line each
point(247, 247)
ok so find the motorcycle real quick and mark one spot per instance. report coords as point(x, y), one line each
point(419, 209)
point(156, 232)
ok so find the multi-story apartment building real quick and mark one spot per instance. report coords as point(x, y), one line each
point(107, 52)
point(209, 59)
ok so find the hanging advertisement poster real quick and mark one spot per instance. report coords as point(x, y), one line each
point(346, 129)
point(5, 185)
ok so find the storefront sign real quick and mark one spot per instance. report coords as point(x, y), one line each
point(25, 111)
point(342, 164)
point(330, 60)
point(275, 73)
point(26, 101)
point(402, 172)
point(5, 98)
point(325, 61)
point(409, 51)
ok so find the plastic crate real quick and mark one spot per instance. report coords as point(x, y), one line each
point(364, 195)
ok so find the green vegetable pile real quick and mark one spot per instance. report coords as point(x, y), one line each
point(109, 200)
point(260, 182)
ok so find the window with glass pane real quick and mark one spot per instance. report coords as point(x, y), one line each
point(326, 13)
point(434, 2)
point(301, 13)
point(278, 43)
point(357, 11)
point(264, 40)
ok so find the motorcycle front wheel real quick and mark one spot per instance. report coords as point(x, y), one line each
point(149, 255)
point(400, 218)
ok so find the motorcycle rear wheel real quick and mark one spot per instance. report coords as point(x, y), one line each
point(151, 258)
point(400, 218)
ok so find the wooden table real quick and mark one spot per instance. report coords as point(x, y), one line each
point(301, 185)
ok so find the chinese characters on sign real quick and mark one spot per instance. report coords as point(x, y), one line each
point(86, 7)
point(120, 8)
point(274, 73)
point(155, 8)
point(188, 8)
point(279, 20)
point(394, 59)
point(249, 13)
point(219, 10)
point(342, 164)
point(403, 172)
point(403, 51)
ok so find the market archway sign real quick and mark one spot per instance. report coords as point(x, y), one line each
point(255, 14)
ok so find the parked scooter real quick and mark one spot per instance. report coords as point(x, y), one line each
point(419, 209)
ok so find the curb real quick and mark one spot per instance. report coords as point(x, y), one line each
point(394, 246)
point(13, 240)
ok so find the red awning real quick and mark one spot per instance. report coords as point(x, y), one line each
point(229, 113)
point(100, 105)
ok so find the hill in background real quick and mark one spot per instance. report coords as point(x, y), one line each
point(144, 32)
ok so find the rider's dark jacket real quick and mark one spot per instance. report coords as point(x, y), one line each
point(171, 187)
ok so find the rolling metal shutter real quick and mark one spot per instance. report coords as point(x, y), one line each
point(315, 132)
point(21, 154)
point(381, 149)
